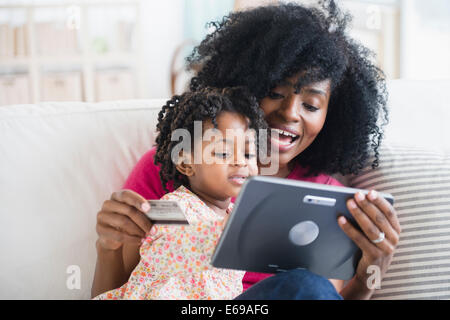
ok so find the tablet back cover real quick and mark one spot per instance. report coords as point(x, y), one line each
point(257, 236)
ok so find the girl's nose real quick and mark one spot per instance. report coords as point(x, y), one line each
point(239, 159)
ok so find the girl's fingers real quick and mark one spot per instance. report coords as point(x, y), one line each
point(376, 215)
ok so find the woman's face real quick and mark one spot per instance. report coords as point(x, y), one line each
point(298, 117)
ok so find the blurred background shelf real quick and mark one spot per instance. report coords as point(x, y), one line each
point(150, 40)
point(62, 50)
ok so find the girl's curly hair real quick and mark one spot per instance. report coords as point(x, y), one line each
point(181, 111)
point(259, 48)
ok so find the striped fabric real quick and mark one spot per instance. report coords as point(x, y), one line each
point(419, 180)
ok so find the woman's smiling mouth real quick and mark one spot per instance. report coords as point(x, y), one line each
point(285, 139)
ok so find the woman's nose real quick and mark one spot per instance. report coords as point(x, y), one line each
point(290, 108)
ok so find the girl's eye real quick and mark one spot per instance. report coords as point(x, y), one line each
point(221, 155)
point(250, 155)
point(274, 95)
point(310, 107)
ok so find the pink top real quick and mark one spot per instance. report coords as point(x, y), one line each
point(144, 179)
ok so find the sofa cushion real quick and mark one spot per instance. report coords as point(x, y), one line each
point(58, 163)
point(419, 180)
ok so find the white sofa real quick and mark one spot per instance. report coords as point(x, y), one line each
point(60, 161)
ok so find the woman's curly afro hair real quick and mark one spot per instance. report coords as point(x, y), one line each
point(259, 48)
point(181, 111)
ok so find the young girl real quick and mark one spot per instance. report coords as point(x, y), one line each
point(175, 259)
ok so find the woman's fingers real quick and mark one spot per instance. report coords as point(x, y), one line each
point(369, 228)
point(122, 220)
point(386, 208)
point(138, 203)
point(357, 236)
point(112, 235)
point(131, 198)
point(129, 213)
point(119, 222)
point(376, 214)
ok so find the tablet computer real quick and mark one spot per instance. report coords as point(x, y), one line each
point(279, 224)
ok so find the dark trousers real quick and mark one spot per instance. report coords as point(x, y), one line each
point(296, 284)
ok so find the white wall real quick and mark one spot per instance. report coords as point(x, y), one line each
point(425, 41)
point(161, 33)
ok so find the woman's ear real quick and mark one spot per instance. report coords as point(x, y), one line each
point(184, 165)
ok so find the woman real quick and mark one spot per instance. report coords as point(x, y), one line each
point(320, 91)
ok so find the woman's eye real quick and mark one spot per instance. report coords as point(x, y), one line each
point(274, 95)
point(250, 155)
point(310, 107)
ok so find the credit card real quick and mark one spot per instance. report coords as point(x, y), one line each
point(166, 212)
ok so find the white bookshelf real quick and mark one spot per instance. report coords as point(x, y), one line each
point(85, 61)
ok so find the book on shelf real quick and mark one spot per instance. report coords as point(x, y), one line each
point(21, 41)
point(6, 41)
point(114, 85)
point(54, 38)
point(124, 35)
point(61, 86)
point(14, 89)
point(13, 41)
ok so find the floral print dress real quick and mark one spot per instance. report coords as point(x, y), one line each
point(175, 263)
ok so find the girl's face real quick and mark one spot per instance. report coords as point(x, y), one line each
point(297, 117)
point(226, 162)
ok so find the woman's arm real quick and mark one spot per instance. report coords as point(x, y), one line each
point(109, 270)
point(131, 257)
point(143, 180)
point(338, 284)
point(121, 226)
point(356, 290)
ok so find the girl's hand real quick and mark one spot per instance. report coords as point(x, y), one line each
point(374, 215)
point(122, 220)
